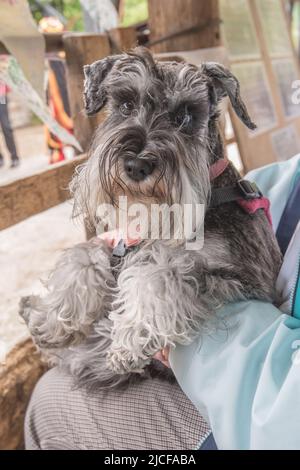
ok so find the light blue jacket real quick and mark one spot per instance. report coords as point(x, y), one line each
point(245, 378)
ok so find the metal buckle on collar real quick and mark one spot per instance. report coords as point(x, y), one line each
point(249, 190)
point(118, 253)
point(120, 250)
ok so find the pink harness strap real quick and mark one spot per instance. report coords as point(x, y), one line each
point(249, 206)
point(255, 204)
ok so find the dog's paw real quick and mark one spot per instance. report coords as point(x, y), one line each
point(122, 361)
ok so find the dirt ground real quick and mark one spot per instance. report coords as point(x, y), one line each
point(32, 150)
point(29, 249)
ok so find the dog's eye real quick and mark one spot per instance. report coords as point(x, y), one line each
point(183, 119)
point(126, 108)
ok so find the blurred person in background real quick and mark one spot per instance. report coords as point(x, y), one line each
point(57, 96)
point(7, 129)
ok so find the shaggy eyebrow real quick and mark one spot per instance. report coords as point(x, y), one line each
point(124, 93)
point(185, 103)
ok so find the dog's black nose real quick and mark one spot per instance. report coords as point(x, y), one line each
point(138, 169)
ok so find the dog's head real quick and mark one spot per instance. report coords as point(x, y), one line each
point(160, 134)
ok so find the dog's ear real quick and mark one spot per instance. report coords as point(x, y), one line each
point(226, 84)
point(95, 92)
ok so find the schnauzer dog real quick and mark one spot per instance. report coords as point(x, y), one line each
point(158, 145)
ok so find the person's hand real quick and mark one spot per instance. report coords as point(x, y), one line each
point(163, 356)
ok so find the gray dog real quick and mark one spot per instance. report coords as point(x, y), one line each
point(104, 322)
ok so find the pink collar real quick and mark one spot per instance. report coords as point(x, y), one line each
point(113, 237)
point(216, 169)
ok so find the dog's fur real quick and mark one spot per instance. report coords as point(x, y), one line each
point(102, 329)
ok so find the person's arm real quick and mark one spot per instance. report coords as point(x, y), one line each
point(245, 378)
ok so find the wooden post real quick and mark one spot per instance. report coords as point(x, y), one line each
point(171, 16)
point(82, 49)
point(123, 39)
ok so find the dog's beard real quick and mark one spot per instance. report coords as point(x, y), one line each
point(180, 176)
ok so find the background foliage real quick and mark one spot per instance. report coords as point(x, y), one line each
point(135, 11)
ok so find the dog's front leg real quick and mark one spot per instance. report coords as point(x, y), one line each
point(157, 305)
point(78, 294)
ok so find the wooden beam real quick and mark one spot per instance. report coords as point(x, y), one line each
point(34, 194)
point(18, 376)
point(54, 43)
point(82, 49)
point(230, 140)
point(167, 17)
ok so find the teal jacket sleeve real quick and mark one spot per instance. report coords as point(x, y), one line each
point(245, 377)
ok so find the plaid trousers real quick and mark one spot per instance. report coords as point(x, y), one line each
point(150, 415)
